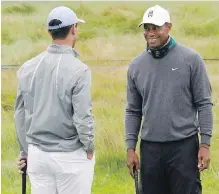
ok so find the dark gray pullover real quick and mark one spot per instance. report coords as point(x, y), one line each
point(173, 94)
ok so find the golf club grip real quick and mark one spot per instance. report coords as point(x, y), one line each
point(24, 175)
point(136, 181)
point(24, 183)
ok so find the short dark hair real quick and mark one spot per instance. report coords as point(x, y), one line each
point(60, 33)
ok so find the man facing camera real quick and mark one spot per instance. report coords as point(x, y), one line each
point(167, 85)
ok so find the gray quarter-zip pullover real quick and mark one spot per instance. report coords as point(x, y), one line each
point(168, 93)
point(53, 104)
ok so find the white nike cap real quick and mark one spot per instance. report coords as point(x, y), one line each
point(65, 15)
point(156, 15)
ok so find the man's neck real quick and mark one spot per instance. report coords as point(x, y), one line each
point(166, 42)
point(62, 42)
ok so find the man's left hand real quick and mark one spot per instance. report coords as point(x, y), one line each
point(203, 157)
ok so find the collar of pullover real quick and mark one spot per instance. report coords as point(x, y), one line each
point(64, 49)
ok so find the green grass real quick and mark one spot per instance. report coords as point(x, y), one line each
point(111, 175)
point(110, 33)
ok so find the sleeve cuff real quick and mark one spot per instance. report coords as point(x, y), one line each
point(131, 144)
point(206, 139)
point(90, 148)
point(23, 154)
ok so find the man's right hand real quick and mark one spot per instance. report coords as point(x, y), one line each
point(21, 163)
point(132, 161)
point(90, 155)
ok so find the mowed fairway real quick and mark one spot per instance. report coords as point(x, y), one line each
point(110, 33)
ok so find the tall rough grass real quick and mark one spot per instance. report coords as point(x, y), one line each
point(24, 25)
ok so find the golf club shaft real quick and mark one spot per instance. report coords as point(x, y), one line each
point(136, 181)
point(24, 183)
point(24, 169)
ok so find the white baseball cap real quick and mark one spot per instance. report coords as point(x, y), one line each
point(156, 15)
point(65, 15)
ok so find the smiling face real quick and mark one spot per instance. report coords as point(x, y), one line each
point(156, 36)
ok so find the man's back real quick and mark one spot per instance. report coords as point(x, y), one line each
point(47, 83)
point(53, 119)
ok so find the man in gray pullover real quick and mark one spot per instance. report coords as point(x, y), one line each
point(53, 118)
point(167, 85)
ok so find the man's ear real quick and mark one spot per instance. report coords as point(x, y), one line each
point(169, 26)
point(49, 33)
point(73, 29)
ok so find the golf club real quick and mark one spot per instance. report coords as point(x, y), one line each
point(136, 180)
point(24, 169)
